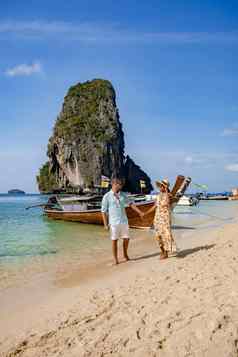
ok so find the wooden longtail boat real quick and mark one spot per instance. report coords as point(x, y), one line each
point(85, 209)
point(94, 216)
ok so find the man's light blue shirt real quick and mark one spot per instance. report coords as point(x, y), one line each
point(115, 208)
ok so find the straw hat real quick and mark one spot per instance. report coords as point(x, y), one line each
point(163, 182)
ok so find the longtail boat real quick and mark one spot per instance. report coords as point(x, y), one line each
point(92, 215)
point(87, 209)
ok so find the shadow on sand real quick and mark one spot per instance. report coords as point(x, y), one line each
point(182, 227)
point(180, 254)
point(185, 252)
point(152, 255)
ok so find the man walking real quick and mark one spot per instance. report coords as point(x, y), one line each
point(114, 216)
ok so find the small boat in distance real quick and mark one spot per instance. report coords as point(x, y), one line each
point(188, 201)
point(87, 208)
point(215, 197)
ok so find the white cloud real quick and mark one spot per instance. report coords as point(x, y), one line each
point(24, 69)
point(196, 159)
point(189, 159)
point(232, 167)
point(106, 32)
point(230, 132)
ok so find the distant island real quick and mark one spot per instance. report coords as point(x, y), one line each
point(16, 192)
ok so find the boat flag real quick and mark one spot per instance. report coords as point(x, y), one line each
point(142, 184)
point(105, 181)
point(203, 187)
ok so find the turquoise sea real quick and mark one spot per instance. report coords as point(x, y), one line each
point(26, 233)
point(27, 237)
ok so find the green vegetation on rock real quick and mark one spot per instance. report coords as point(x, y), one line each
point(81, 112)
point(46, 180)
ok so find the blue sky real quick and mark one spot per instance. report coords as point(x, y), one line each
point(173, 65)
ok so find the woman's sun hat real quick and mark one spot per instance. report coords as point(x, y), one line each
point(163, 182)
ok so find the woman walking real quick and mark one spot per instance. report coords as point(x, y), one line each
point(162, 220)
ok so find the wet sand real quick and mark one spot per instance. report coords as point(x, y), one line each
point(182, 306)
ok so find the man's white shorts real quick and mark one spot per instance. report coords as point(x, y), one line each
point(119, 231)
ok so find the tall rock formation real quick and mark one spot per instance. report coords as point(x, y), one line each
point(88, 142)
point(133, 174)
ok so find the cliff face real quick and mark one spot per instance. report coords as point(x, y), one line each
point(87, 140)
point(133, 175)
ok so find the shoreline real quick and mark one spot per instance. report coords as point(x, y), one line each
point(64, 301)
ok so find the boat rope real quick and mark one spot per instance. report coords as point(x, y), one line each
point(39, 205)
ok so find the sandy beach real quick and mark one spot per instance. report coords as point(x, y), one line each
point(183, 306)
point(119, 178)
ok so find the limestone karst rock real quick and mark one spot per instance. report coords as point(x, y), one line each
point(88, 142)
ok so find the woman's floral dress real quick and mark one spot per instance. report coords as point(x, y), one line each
point(162, 223)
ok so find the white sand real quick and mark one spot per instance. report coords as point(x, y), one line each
point(182, 306)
